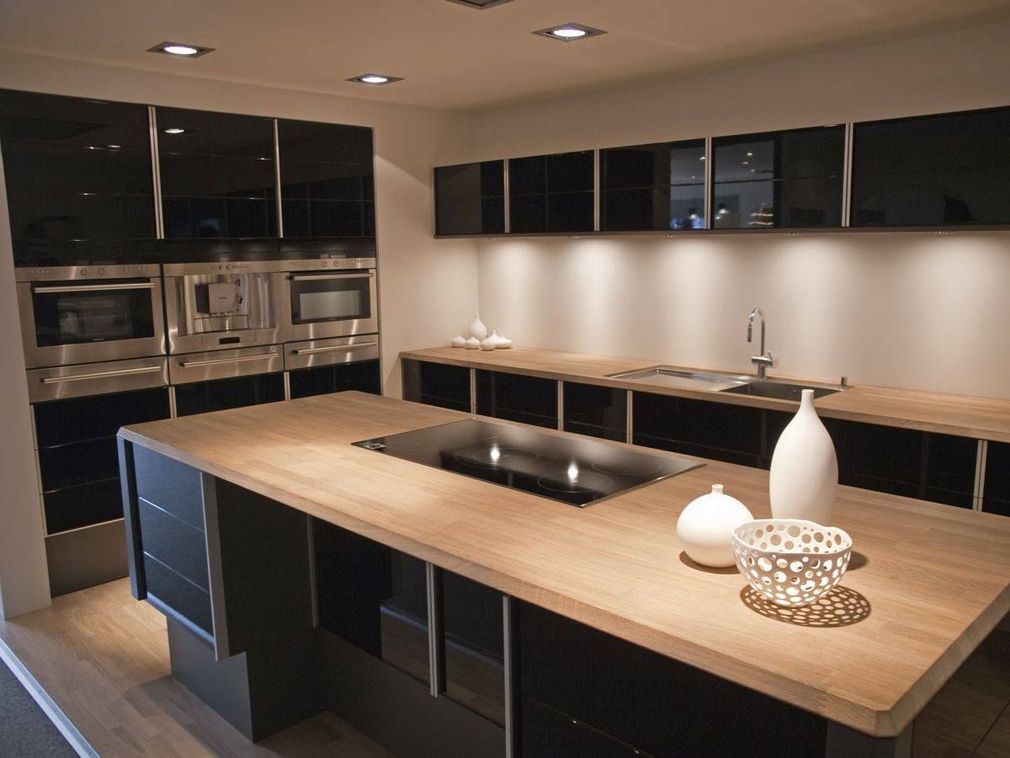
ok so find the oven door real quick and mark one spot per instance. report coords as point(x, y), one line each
point(327, 304)
point(65, 323)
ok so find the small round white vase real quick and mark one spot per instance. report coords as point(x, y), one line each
point(803, 481)
point(705, 527)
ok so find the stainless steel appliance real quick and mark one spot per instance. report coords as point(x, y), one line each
point(317, 367)
point(328, 297)
point(87, 314)
point(217, 306)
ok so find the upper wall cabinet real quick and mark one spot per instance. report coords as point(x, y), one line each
point(658, 187)
point(327, 185)
point(470, 198)
point(951, 169)
point(552, 193)
point(790, 179)
point(78, 176)
point(218, 174)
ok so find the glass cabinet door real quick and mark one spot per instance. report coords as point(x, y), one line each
point(470, 198)
point(552, 193)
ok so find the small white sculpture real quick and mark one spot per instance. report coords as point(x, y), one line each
point(489, 343)
point(477, 328)
point(458, 341)
point(504, 342)
point(472, 344)
point(705, 527)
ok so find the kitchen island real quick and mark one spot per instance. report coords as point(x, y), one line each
point(260, 532)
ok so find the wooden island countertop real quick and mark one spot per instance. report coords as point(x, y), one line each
point(981, 418)
point(927, 583)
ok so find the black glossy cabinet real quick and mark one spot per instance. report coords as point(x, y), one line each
point(528, 399)
point(218, 174)
point(943, 170)
point(996, 495)
point(470, 198)
point(552, 193)
point(437, 384)
point(657, 187)
point(79, 178)
point(788, 179)
point(221, 394)
point(327, 180)
point(362, 376)
point(596, 411)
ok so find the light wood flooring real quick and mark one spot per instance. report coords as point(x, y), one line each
point(103, 657)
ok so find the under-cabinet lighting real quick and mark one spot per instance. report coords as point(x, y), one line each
point(569, 32)
point(375, 79)
point(180, 50)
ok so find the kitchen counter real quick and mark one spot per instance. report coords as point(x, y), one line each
point(976, 417)
point(926, 585)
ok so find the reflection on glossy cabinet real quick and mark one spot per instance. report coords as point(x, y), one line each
point(596, 411)
point(470, 198)
point(788, 179)
point(552, 193)
point(528, 399)
point(437, 384)
point(996, 496)
point(220, 394)
point(361, 375)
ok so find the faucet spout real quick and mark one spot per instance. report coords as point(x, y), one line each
point(764, 359)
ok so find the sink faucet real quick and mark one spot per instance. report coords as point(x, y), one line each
point(764, 360)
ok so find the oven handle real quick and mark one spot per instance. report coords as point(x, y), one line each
point(317, 277)
point(100, 374)
point(219, 361)
point(95, 287)
point(332, 348)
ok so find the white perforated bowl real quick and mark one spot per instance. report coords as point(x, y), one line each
point(789, 561)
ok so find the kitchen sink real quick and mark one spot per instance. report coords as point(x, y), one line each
point(779, 390)
point(671, 376)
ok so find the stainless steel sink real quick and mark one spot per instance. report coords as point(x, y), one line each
point(780, 390)
point(671, 376)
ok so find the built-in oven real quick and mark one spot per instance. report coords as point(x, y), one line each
point(325, 298)
point(87, 314)
point(319, 367)
point(220, 379)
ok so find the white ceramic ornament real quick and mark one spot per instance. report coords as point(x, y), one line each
point(705, 527)
point(803, 481)
point(458, 341)
point(472, 344)
point(489, 342)
point(504, 343)
point(477, 328)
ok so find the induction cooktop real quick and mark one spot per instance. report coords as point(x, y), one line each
point(576, 471)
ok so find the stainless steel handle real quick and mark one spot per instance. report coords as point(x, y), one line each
point(100, 374)
point(219, 361)
point(305, 277)
point(96, 287)
point(333, 348)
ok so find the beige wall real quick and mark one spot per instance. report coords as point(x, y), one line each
point(905, 309)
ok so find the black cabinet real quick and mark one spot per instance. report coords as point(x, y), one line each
point(657, 187)
point(220, 394)
point(951, 169)
point(788, 179)
point(374, 597)
point(596, 411)
point(437, 384)
point(552, 193)
point(470, 198)
point(362, 375)
point(78, 174)
point(529, 399)
point(218, 174)
point(327, 179)
point(996, 495)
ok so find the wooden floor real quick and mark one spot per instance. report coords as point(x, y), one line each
point(103, 657)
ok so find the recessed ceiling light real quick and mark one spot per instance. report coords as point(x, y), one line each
point(569, 32)
point(175, 130)
point(375, 79)
point(480, 5)
point(180, 50)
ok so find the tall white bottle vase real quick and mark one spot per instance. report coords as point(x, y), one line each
point(477, 329)
point(803, 482)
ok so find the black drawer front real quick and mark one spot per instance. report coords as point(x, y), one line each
point(179, 594)
point(84, 418)
point(78, 463)
point(362, 376)
point(996, 497)
point(83, 505)
point(173, 542)
point(221, 394)
point(172, 486)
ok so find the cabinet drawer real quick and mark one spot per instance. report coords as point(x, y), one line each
point(178, 593)
point(172, 486)
point(174, 543)
point(82, 505)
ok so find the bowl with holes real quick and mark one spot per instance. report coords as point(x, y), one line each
point(790, 561)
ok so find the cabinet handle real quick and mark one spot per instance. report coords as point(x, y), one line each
point(94, 287)
point(219, 361)
point(333, 348)
point(319, 277)
point(100, 374)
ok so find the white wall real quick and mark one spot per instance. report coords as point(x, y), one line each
point(904, 309)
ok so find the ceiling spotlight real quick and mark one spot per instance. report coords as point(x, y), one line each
point(569, 32)
point(175, 130)
point(375, 79)
point(180, 50)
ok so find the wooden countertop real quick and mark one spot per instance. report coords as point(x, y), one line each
point(927, 584)
point(977, 417)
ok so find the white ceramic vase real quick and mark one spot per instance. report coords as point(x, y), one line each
point(803, 481)
point(477, 329)
point(705, 527)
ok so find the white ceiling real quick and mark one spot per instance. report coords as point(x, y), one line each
point(453, 57)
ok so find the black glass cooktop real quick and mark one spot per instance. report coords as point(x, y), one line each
point(577, 471)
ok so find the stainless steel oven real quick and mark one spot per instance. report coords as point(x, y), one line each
point(329, 297)
point(88, 314)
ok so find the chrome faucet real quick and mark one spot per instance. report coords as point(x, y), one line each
point(764, 360)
